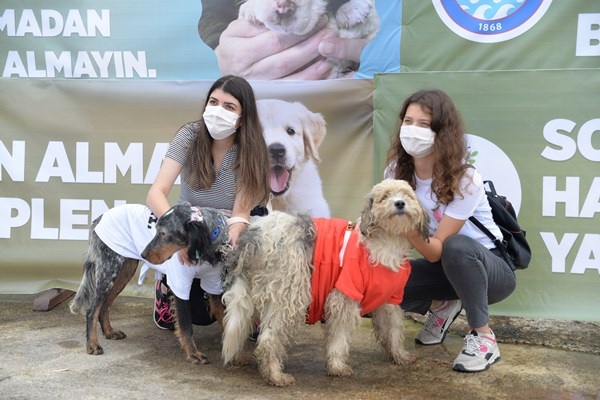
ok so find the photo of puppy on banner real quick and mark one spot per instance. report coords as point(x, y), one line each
point(293, 135)
point(292, 39)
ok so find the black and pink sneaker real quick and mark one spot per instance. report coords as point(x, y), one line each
point(163, 317)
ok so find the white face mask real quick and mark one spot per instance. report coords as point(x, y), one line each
point(220, 122)
point(417, 141)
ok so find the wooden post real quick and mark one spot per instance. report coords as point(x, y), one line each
point(49, 299)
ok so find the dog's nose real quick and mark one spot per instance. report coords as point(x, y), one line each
point(400, 204)
point(277, 151)
point(283, 7)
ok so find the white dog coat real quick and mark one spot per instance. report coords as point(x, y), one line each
point(128, 228)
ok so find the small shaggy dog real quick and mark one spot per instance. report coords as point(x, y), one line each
point(107, 270)
point(286, 271)
point(354, 19)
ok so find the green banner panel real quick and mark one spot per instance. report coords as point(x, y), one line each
point(464, 35)
point(536, 135)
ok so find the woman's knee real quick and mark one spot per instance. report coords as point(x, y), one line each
point(456, 246)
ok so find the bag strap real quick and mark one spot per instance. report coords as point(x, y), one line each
point(492, 188)
point(478, 224)
point(498, 243)
point(483, 229)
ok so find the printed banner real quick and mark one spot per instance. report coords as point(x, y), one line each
point(540, 145)
point(72, 149)
point(92, 91)
point(191, 40)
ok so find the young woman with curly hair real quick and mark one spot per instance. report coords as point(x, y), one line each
point(460, 268)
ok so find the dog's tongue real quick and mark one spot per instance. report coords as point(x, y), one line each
point(279, 178)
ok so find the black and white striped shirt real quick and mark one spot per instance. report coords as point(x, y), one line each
point(221, 194)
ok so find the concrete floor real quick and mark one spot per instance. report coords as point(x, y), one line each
point(43, 357)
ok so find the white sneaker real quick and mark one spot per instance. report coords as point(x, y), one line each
point(479, 352)
point(437, 323)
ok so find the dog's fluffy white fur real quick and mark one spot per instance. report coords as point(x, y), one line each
point(293, 135)
point(268, 277)
point(354, 19)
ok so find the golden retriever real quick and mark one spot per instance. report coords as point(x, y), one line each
point(293, 135)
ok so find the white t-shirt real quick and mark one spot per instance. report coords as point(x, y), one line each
point(128, 228)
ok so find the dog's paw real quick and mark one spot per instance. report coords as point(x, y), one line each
point(281, 380)
point(242, 360)
point(247, 11)
point(94, 349)
point(197, 358)
point(352, 13)
point(403, 359)
point(339, 369)
point(115, 335)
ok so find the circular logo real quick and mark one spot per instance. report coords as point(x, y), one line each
point(490, 21)
point(494, 165)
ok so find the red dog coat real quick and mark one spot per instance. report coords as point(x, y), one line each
point(372, 285)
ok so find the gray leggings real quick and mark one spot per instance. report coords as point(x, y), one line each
point(467, 271)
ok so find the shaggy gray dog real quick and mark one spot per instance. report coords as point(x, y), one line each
point(286, 271)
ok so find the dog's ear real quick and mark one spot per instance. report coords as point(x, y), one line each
point(367, 220)
point(199, 242)
point(423, 223)
point(314, 133)
point(306, 223)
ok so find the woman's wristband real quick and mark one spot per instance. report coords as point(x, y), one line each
point(235, 220)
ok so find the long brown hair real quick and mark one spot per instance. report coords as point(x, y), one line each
point(449, 149)
point(252, 164)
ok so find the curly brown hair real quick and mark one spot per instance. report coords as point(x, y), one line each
point(252, 164)
point(450, 150)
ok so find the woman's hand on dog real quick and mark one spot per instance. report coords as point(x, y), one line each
point(235, 230)
point(184, 258)
point(414, 236)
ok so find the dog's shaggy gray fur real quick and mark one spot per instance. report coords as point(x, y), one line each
point(268, 278)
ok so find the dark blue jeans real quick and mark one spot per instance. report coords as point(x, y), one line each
point(467, 271)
